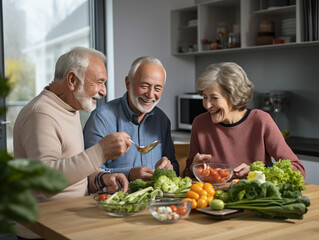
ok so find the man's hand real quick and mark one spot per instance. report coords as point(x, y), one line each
point(143, 173)
point(241, 171)
point(115, 145)
point(110, 180)
point(164, 163)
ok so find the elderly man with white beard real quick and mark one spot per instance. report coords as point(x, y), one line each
point(49, 128)
point(136, 114)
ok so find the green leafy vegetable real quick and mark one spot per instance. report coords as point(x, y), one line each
point(257, 166)
point(138, 184)
point(284, 208)
point(166, 172)
point(164, 180)
point(268, 200)
point(280, 172)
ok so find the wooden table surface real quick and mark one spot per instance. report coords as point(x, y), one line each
point(79, 218)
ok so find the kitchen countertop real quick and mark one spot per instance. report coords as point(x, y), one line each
point(79, 218)
point(299, 145)
point(304, 146)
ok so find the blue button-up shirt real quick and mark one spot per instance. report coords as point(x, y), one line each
point(117, 116)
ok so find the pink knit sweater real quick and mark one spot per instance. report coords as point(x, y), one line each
point(256, 138)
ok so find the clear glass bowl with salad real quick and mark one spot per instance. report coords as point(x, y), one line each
point(122, 204)
point(170, 210)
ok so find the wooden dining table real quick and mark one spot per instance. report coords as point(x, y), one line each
point(80, 218)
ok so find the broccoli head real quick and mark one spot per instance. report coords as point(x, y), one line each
point(186, 182)
point(137, 184)
point(166, 172)
point(177, 181)
point(165, 184)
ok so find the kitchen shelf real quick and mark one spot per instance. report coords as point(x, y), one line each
point(245, 15)
point(251, 48)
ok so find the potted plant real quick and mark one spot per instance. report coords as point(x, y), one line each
point(17, 178)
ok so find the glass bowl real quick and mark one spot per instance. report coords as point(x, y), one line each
point(170, 210)
point(120, 210)
point(215, 173)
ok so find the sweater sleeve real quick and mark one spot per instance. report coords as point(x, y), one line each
point(277, 147)
point(42, 139)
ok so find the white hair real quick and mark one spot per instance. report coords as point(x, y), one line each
point(77, 59)
point(137, 63)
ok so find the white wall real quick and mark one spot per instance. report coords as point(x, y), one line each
point(142, 27)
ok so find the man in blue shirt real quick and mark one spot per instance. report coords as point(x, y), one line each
point(136, 114)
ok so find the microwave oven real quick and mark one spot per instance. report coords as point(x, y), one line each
point(188, 107)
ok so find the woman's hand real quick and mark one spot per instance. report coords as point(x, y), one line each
point(241, 171)
point(199, 158)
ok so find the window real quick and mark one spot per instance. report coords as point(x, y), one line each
point(36, 33)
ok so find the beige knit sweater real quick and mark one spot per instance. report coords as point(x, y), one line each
point(50, 130)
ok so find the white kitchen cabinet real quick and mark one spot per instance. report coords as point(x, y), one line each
point(192, 26)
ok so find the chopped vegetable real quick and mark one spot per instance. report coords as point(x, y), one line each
point(121, 202)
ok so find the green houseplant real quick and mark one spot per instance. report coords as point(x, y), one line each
point(17, 178)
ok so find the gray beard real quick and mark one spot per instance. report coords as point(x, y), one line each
point(136, 104)
point(85, 101)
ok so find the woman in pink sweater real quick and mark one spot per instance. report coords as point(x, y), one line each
point(229, 132)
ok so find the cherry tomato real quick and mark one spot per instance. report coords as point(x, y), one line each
point(218, 178)
point(193, 195)
point(194, 203)
point(173, 208)
point(103, 197)
point(206, 172)
point(210, 191)
point(227, 173)
point(223, 179)
point(199, 171)
point(200, 184)
point(203, 196)
point(211, 179)
point(214, 173)
point(181, 210)
point(207, 186)
point(201, 203)
point(196, 188)
point(202, 192)
point(224, 173)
